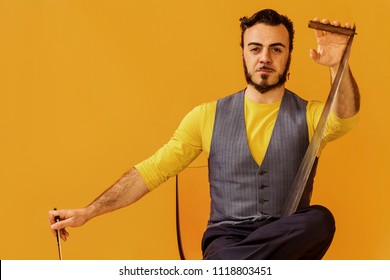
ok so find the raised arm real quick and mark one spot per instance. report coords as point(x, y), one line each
point(127, 190)
point(329, 52)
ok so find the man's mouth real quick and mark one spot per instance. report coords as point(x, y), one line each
point(265, 69)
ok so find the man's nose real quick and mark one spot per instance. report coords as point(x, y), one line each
point(265, 57)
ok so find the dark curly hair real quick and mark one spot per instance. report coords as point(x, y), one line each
point(268, 17)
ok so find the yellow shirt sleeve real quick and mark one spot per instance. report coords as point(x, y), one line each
point(187, 142)
point(335, 128)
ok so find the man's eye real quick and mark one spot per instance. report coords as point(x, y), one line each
point(277, 50)
point(254, 49)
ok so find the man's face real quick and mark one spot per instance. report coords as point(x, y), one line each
point(266, 56)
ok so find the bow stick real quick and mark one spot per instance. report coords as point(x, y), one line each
point(57, 219)
point(306, 166)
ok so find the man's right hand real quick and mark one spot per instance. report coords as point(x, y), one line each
point(68, 218)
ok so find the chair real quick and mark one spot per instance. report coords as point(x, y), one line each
point(192, 210)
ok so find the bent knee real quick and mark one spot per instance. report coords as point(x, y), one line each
point(322, 220)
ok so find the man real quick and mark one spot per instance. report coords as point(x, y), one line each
point(255, 140)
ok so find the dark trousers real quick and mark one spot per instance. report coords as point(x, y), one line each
point(305, 235)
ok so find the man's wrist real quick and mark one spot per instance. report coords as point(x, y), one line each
point(90, 212)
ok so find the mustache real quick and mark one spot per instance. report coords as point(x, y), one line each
point(264, 67)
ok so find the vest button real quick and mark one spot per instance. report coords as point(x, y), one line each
point(262, 186)
point(262, 201)
point(262, 172)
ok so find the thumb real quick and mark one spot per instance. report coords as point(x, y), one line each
point(314, 55)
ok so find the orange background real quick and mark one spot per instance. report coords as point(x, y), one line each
point(90, 88)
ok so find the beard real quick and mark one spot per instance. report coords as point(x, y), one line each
point(264, 87)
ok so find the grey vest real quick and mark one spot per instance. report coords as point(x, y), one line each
point(240, 189)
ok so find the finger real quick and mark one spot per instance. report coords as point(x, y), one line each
point(348, 25)
point(52, 215)
point(336, 23)
point(65, 218)
point(64, 234)
point(325, 21)
point(60, 225)
point(58, 228)
point(318, 33)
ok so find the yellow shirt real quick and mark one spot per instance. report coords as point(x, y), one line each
point(195, 131)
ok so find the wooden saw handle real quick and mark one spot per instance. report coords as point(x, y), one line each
point(331, 28)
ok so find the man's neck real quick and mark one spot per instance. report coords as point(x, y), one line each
point(269, 97)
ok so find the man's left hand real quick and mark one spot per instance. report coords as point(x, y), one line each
point(330, 47)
